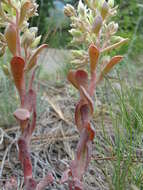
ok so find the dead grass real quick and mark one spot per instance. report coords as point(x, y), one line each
point(54, 141)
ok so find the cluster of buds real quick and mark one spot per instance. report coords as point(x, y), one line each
point(21, 42)
point(91, 23)
point(23, 10)
point(90, 27)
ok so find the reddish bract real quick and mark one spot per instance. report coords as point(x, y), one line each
point(93, 55)
point(17, 69)
point(22, 114)
point(109, 66)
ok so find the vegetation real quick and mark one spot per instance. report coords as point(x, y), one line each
point(129, 26)
point(91, 27)
point(122, 155)
point(108, 115)
point(17, 37)
point(59, 37)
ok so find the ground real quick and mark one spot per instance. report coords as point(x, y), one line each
point(54, 141)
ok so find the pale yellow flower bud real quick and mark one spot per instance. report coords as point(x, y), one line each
point(2, 38)
point(69, 10)
point(104, 10)
point(10, 35)
point(28, 38)
point(112, 28)
point(111, 3)
point(2, 51)
point(95, 3)
point(23, 12)
point(97, 24)
point(36, 42)
point(6, 70)
point(78, 53)
point(75, 32)
point(81, 9)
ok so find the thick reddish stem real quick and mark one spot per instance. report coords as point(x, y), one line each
point(30, 184)
point(92, 85)
point(24, 157)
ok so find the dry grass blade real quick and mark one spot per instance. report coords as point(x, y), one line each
point(4, 157)
point(67, 145)
point(1, 136)
point(57, 109)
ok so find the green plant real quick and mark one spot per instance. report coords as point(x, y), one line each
point(128, 138)
point(131, 27)
point(119, 144)
point(43, 9)
point(22, 44)
point(8, 102)
point(92, 27)
point(52, 23)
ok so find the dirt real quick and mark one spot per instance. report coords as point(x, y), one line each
point(54, 143)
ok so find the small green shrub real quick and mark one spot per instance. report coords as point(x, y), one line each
point(119, 145)
point(130, 15)
point(128, 144)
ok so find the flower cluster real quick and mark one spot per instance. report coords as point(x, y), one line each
point(92, 23)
